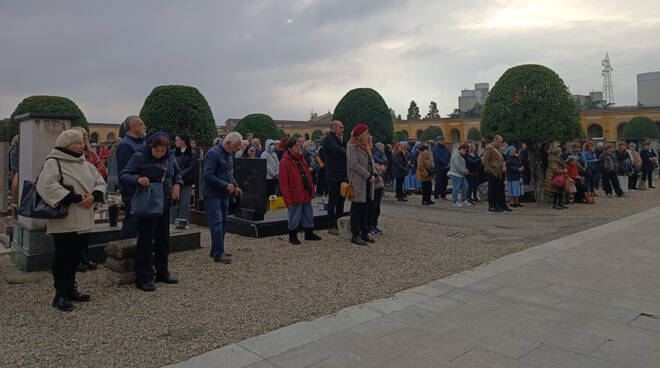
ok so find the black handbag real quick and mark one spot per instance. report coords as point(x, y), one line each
point(33, 206)
point(430, 170)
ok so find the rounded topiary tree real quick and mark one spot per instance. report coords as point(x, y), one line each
point(531, 104)
point(365, 106)
point(640, 127)
point(44, 104)
point(474, 134)
point(261, 125)
point(317, 134)
point(401, 135)
point(175, 109)
point(431, 132)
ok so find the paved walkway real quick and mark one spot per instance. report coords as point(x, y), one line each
point(591, 299)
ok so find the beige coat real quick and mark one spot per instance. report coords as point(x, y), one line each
point(360, 167)
point(84, 178)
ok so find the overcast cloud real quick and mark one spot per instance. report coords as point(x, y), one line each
point(285, 58)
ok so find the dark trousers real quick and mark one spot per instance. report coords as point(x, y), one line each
point(359, 226)
point(271, 186)
point(399, 187)
point(426, 191)
point(374, 211)
point(588, 182)
point(496, 196)
point(441, 182)
point(321, 188)
point(579, 195)
point(632, 180)
point(649, 175)
point(473, 186)
point(610, 181)
point(335, 203)
point(129, 226)
point(68, 247)
point(153, 247)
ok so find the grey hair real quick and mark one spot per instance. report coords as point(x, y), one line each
point(127, 122)
point(308, 142)
point(380, 145)
point(233, 137)
point(632, 145)
point(335, 123)
point(555, 150)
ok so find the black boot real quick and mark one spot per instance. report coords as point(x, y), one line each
point(62, 303)
point(77, 296)
point(87, 261)
point(309, 235)
point(293, 237)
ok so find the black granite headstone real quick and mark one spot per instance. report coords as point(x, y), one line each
point(250, 173)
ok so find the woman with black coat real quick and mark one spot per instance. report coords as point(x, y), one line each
point(156, 164)
point(399, 170)
point(185, 159)
point(472, 162)
point(649, 163)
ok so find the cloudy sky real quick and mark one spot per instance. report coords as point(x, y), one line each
point(285, 58)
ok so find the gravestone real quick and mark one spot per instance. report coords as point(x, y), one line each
point(38, 133)
point(250, 174)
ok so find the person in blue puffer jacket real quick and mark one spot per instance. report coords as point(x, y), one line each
point(153, 163)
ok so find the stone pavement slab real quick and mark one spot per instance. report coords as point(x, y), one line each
point(590, 299)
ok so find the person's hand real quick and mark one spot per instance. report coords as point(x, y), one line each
point(383, 169)
point(144, 181)
point(230, 188)
point(238, 192)
point(87, 201)
point(176, 188)
point(372, 179)
point(596, 160)
point(521, 169)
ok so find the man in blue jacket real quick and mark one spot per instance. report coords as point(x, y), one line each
point(132, 142)
point(441, 159)
point(218, 185)
point(334, 155)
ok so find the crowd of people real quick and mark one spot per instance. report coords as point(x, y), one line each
point(76, 175)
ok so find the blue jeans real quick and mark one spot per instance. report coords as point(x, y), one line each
point(129, 225)
point(216, 214)
point(301, 211)
point(459, 184)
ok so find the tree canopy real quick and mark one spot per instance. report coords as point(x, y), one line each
point(261, 125)
point(401, 135)
point(413, 111)
point(43, 104)
point(431, 132)
point(365, 106)
point(175, 109)
point(474, 134)
point(317, 134)
point(433, 113)
point(640, 127)
point(530, 103)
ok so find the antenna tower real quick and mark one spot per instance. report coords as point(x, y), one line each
point(608, 89)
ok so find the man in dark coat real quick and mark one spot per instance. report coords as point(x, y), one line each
point(441, 157)
point(335, 173)
point(132, 142)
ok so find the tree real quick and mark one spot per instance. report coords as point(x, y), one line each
point(531, 104)
point(433, 113)
point(317, 134)
point(640, 127)
point(474, 134)
point(174, 109)
point(261, 125)
point(43, 104)
point(413, 111)
point(475, 111)
point(401, 135)
point(430, 133)
point(393, 114)
point(456, 114)
point(313, 115)
point(398, 117)
point(296, 136)
point(366, 106)
point(122, 131)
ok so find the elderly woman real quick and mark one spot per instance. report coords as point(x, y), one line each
point(68, 178)
point(154, 164)
point(514, 169)
point(272, 167)
point(425, 173)
point(457, 173)
point(297, 191)
point(362, 177)
point(399, 171)
point(556, 166)
point(649, 163)
point(636, 160)
point(185, 159)
point(624, 166)
point(609, 167)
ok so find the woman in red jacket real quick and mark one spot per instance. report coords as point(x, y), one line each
point(297, 190)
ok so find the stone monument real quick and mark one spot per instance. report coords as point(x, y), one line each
point(38, 131)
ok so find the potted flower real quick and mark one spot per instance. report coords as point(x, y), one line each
point(114, 202)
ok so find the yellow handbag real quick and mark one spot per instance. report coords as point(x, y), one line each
point(346, 190)
point(275, 203)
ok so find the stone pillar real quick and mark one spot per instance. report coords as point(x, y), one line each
point(38, 133)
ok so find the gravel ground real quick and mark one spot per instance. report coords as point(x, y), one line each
point(271, 284)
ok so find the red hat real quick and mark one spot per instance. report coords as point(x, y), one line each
point(359, 129)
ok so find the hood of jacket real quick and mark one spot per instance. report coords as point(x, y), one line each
point(269, 148)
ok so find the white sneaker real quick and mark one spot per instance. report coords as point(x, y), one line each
point(467, 203)
point(458, 204)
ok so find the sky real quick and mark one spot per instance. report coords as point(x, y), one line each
point(286, 58)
